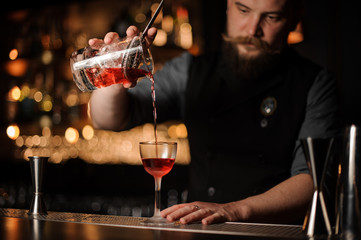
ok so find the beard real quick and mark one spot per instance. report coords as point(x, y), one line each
point(251, 68)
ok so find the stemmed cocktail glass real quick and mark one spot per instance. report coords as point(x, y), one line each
point(158, 159)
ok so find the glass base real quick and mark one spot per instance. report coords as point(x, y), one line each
point(156, 221)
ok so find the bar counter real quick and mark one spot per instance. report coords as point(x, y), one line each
point(16, 224)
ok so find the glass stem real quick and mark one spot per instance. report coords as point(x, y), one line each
point(157, 181)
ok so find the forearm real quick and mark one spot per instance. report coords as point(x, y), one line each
point(109, 108)
point(286, 202)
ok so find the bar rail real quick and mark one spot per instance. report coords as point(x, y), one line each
point(259, 231)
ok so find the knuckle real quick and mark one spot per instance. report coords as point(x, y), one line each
point(133, 29)
point(111, 35)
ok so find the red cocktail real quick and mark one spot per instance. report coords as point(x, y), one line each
point(158, 159)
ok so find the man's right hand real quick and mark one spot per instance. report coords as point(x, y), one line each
point(131, 32)
point(109, 106)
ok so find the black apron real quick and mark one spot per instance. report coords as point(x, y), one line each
point(236, 149)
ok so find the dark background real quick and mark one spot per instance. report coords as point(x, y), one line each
point(331, 38)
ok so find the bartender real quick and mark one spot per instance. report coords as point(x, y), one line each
point(245, 105)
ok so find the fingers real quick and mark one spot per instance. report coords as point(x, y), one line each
point(207, 213)
point(132, 31)
point(94, 41)
point(214, 218)
point(149, 38)
point(195, 215)
point(129, 84)
point(110, 37)
point(151, 34)
point(185, 213)
point(171, 209)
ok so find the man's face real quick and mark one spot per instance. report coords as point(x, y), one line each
point(264, 21)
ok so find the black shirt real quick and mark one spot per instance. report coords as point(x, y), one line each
point(319, 118)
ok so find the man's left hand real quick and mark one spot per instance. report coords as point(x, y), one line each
point(205, 212)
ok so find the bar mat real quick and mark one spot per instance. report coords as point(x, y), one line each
point(236, 228)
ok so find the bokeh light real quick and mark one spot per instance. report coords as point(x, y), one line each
point(72, 99)
point(177, 131)
point(168, 24)
point(160, 15)
point(47, 104)
point(25, 90)
point(17, 67)
point(13, 131)
point(14, 94)
point(161, 38)
point(47, 57)
point(186, 38)
point(140, 17)
point(181, 131)
point(88, 132)
point(38, 96)
point(46, 131)
point(71, 135)
point(13, 54)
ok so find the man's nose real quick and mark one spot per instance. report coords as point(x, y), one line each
point(254, 26)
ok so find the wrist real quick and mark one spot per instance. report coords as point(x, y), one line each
point(240, 210)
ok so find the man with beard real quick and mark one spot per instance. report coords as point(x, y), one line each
point(245, 108)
